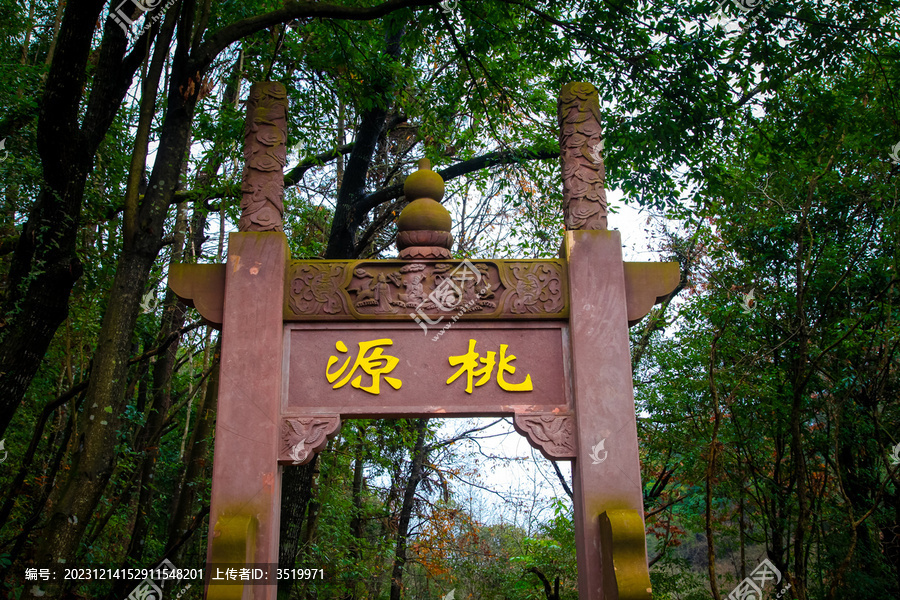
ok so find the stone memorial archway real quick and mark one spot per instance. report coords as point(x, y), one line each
point(307, 344)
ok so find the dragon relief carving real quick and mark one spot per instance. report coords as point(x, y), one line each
point(265, 135)
point(302, 437)
point(552, 434)
point(441, 287)
point(580, 144)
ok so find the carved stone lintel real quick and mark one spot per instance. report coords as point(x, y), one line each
point(303, 437)
point(265, 152)
point(581, 147)
point(551, 433)
point(400, 290)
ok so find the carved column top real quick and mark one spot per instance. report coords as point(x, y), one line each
point(265, 153)
point(581, 148)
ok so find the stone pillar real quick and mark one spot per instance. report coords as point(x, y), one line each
point(606, 471)
point(246, 489)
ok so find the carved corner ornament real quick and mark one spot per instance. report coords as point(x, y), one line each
point(303, 437)
point(623, 555)
point(551, 433)
point(265, 153)
point(581, 147)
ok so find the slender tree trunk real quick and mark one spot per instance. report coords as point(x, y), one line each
point(419, 454)
point(160, 403)
point(296, 493)
point(197, 460)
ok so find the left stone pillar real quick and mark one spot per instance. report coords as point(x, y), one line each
point(246, 489)
point(245, 506)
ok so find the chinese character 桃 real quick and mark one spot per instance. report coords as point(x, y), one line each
point(371, 360)
point(474, 365)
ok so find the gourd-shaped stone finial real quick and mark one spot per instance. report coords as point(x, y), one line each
point(424, 224)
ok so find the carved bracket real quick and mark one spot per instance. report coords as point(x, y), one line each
point(303, 437)
point(551, 433)
point(647, 284)
point(201, 286)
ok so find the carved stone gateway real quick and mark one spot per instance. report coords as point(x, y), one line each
point(306, 344)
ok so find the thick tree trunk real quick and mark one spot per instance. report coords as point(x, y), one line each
point(93, 461)
point(347, 215)
point(45, 266)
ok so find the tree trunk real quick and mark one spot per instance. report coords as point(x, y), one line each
point(296, 493)
point(45, 265)
point(93, 461)
point(419, 455)
point(185, 498)
point(347, 215)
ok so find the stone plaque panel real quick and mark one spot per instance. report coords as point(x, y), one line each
point(392, 369)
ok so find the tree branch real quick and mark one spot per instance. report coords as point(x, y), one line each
point(499, 157)
point(293, 9)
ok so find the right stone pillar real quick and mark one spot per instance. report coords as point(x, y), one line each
point(609, 529)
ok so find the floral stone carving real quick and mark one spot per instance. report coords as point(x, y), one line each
point(551, 433)
point(580, 145)
point(302, 437)
point(316, 289)
point(265, 152)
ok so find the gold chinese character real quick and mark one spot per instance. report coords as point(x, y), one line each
point(470, 366)
point(375, 365)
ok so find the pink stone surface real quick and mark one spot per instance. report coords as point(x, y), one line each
point(580, 147)
point(423, 369)
point(265, 151)
point(246, 475)
point(606, 472)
